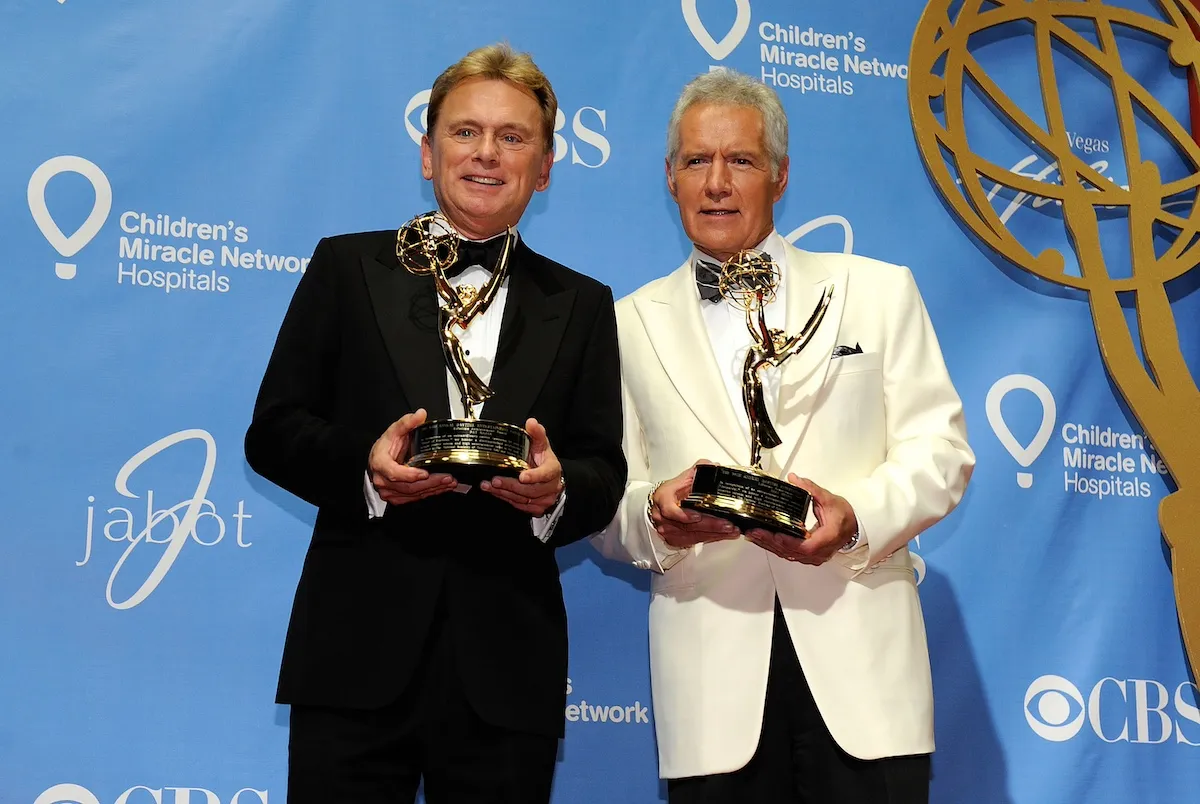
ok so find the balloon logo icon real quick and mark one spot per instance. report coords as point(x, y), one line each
point(69, 246)
point(718, 50)
point(1024, 455)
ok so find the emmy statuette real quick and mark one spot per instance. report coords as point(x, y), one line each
point(746, 495)
point(469, 449)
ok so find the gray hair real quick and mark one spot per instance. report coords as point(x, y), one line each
point(726, 87)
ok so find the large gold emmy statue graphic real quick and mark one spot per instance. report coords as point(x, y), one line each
point(747, 496)
point(468, 448)
point(1164, 398)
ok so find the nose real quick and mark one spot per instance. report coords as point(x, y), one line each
point(487, 151)
point(717, 180)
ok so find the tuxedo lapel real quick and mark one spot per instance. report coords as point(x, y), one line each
point(406, 311)
point(530, 331)
point(671, 317)
point(803, 374)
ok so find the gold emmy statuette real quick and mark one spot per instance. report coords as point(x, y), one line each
point(1161, 392)
point(746, 495)
point(469, 449)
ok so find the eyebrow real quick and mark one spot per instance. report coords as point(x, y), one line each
point(686, 155)
point(468, 122)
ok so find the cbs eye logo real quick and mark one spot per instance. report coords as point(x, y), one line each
point(1054, 708)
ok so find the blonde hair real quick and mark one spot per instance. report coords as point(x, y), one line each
point(498, 61)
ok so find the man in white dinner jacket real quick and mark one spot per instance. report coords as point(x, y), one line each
point(783, 669)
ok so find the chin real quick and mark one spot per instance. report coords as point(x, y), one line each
point(719, 246)
point(477, 212)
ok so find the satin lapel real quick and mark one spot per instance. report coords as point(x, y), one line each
point(530, 332)
point(804, 373)
point(406, 311)
point(678, 334)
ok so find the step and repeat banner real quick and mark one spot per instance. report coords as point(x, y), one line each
point(167, 170)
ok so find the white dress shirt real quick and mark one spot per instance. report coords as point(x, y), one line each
point(479, 342)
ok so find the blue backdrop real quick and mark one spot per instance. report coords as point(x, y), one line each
point(168, 168)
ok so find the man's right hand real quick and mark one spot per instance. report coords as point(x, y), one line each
point(396, 483)
point(679, 527)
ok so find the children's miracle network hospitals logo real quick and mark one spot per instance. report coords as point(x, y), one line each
point(1097, 459)
point(161, 251)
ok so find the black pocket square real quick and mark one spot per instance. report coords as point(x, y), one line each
point(842, 351)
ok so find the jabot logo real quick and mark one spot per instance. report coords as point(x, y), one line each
point(718, 50)
point(195, 518)
point(64, 245)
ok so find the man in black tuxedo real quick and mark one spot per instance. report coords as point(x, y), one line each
point(428, 638)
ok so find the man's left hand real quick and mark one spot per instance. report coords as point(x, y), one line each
point(836, 526)
point(537, 489)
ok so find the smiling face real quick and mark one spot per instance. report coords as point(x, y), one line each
point(721, 179)
point(486, 155)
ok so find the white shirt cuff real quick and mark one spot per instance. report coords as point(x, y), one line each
point(860, 544)
point(666, 555)
point(543, 526)
point(375, 504)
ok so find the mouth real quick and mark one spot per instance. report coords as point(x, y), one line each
point(718, 213)
point(489, 181)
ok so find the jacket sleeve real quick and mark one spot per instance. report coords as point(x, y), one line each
point(594, 467)
point(629, 537)
point(928, 461)
point(292, 440)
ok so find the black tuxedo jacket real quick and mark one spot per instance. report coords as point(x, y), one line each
point(358, 348)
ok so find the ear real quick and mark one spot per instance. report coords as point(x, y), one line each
point(670, 179)
point(426, 157)
point(543, 179)
point(782, 181)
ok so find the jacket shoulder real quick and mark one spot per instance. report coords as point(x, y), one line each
point(360, 242)
point(649, 290)
point(874, 287)
point(569, 278)
point(863, 269)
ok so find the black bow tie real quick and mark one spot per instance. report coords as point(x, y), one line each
point(708, 280)
point(485, 253)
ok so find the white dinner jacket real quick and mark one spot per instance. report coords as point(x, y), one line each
point(883, 428)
